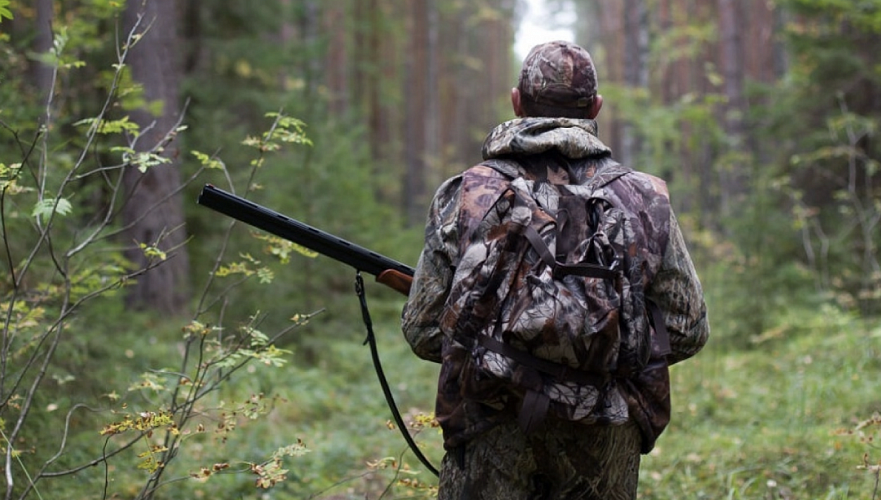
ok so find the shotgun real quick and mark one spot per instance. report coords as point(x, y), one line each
point(389, 272)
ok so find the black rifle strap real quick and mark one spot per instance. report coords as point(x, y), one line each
point(374, 351)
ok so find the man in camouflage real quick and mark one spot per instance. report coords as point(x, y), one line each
point(489, 456)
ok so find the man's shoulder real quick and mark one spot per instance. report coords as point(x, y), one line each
point(493, 168)
point(645, 183)
point(497, 168)
point(481, 184)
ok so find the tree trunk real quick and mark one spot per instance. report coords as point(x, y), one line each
point(335, 59)
point(636, 49)
point(731, 177)
point(153, 212)
point(415, 98)
point(431, 154)
point(41, 73)
point(609, 60)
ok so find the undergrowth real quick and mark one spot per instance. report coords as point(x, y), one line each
point(789, 418)
point(778, 420)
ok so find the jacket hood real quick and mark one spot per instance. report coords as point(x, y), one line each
point(572, 138)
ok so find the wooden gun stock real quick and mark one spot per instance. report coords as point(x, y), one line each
point(395, 280)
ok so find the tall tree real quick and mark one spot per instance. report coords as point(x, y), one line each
point(830, 101)
point(153, 214)
point(41, 73)
point(609, 57)
point(636, 76)
point(416, 96)
point(336, 58)
point(732, 175)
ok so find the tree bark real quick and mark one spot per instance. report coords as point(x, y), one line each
point(41, 73)
point(336, 78)
point(416, 95)
point(153, 212)
point(732, 178)
point(609, 63)
point(636, 48)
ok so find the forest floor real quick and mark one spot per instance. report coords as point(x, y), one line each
point(778, 419)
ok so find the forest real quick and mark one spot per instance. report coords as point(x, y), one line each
point(152, 348)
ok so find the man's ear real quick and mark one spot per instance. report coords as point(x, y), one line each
point(595, 107)
point(515, 102)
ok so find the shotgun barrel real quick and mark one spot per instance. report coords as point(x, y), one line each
point(303, 234)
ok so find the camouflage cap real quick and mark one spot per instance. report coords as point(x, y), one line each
point(559, 74)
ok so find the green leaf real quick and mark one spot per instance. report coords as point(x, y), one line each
point(152, 252)
point(45, 208)
point(146, 160)
point(4, 11)
point(111, 126)
point(208, 161)
point(265, 275)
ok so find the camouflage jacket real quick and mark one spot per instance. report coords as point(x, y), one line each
point(564, 151)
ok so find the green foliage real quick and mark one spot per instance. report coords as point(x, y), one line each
point(4, 10)
point(58, 57)
point(332, 184)
point(156, 415)
point(828, 177)
point(46, 208)
point(805, 229)
point(730, 437)
point(251, 397)
point(64, 323)
point(733, 437)
point(328, 185)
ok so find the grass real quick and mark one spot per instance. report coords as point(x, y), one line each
point(774, 420)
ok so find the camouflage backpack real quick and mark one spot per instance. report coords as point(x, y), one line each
point(539, 292)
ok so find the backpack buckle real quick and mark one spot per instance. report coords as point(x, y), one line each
point(615, 264)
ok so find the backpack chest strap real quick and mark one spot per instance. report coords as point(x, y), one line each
point(561, 269)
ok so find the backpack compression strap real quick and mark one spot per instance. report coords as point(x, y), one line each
point(535, 404)
point(561, 269)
